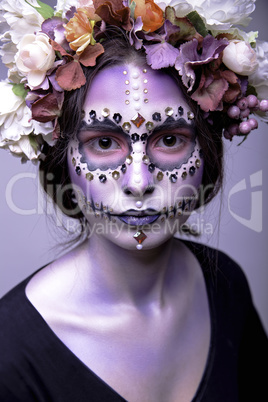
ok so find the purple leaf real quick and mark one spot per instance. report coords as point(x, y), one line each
point(133, 39)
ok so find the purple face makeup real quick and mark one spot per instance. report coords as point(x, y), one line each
point(136, 158)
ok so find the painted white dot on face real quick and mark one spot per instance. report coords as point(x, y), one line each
point(137, 158)
point(136, 169)
point(135, 85)
point(137, 178)
point(135, 74)
point(138, 148)
point(136, 96)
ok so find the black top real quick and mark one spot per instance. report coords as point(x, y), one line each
point(35, 365)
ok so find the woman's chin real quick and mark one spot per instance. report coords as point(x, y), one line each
point(136, 238)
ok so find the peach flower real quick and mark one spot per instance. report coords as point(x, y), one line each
point(151, 14)
point(79, 30)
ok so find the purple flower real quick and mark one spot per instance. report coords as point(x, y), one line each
point(161, 55)
point(191, 57)
point(54, 28)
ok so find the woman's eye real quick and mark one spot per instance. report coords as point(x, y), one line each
point(169, 141)
point(104, 144)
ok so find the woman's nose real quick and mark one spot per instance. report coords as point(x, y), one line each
point(138, 181)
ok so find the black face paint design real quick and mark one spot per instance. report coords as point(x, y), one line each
point(172, 130)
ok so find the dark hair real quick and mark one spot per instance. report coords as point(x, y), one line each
point(118, 51)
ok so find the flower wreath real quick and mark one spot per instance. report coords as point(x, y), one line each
point(224, 69)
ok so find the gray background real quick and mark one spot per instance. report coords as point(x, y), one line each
point(29, 241)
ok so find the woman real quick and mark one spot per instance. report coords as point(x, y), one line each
point(132, 313)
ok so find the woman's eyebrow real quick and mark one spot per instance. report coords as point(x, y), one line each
point(101, 126)
point(170, 124)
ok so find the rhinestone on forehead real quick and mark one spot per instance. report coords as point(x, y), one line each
point(92, 114)
point(126, 126)
point(169, 111)
point(105, 112)
point(144, 137)
point(149, 126)
point(137, 120)
point(135, 137)
point(180, 110)
point(156, 116)
point(117, 117)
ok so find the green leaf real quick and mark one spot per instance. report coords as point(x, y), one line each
point(44, 9)
point(33, 142)
point(244, 139)
point(132, 9)
point(251, 91)
point(19, 90)
point(198, 23)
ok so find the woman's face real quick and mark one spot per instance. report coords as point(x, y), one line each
point(136, 162)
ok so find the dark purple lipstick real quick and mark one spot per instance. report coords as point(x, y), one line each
point(139, 218)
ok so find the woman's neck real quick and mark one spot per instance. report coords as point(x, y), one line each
point(111, 275)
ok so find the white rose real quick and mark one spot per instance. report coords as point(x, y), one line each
point(23, 149)
point(35, 57)
point(19, 18)
point(259, 79)
point(239, 57)
point(16, 117)
point(217, 14)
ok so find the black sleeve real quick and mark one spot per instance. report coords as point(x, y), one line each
point(253, 360)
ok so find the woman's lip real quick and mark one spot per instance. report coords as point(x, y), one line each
point(138, 220)
point(144, 212)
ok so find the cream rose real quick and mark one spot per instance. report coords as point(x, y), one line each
point(35, 57)
point(16, 119)
point(239, 57)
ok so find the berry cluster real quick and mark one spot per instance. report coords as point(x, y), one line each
point(239, 115)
